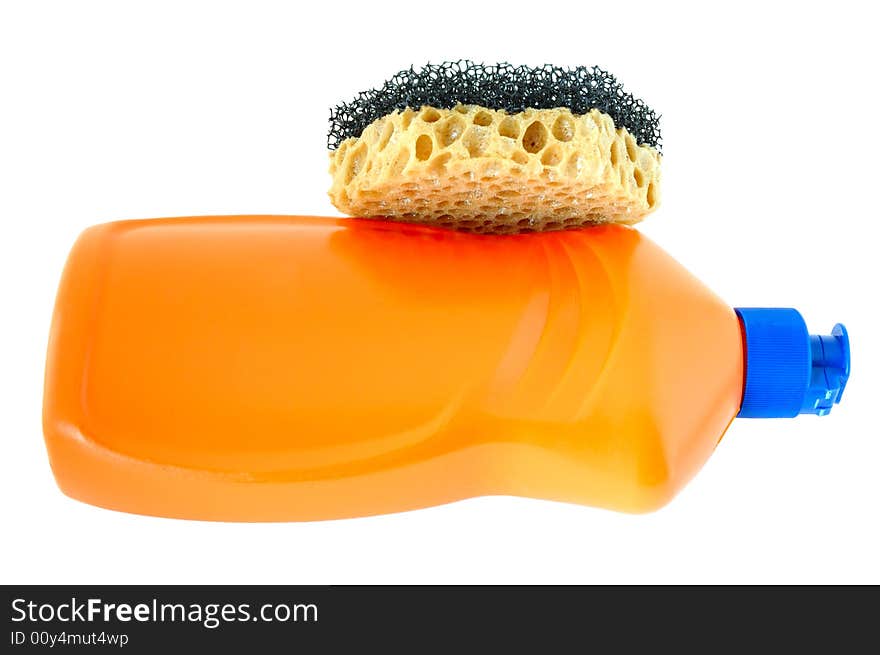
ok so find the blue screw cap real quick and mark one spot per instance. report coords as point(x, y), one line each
point(789, 371)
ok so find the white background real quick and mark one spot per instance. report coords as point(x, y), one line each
point(114, 110)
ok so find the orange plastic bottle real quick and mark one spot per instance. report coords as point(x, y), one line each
point(295, 368)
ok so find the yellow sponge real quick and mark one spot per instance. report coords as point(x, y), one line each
point(483, 170)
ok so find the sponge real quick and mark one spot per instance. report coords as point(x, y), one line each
point(497, 149)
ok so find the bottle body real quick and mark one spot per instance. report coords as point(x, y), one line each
point(295, 368)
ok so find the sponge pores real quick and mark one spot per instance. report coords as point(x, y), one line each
point(483, 170)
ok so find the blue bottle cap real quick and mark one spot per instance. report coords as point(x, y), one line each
point(789, 371)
